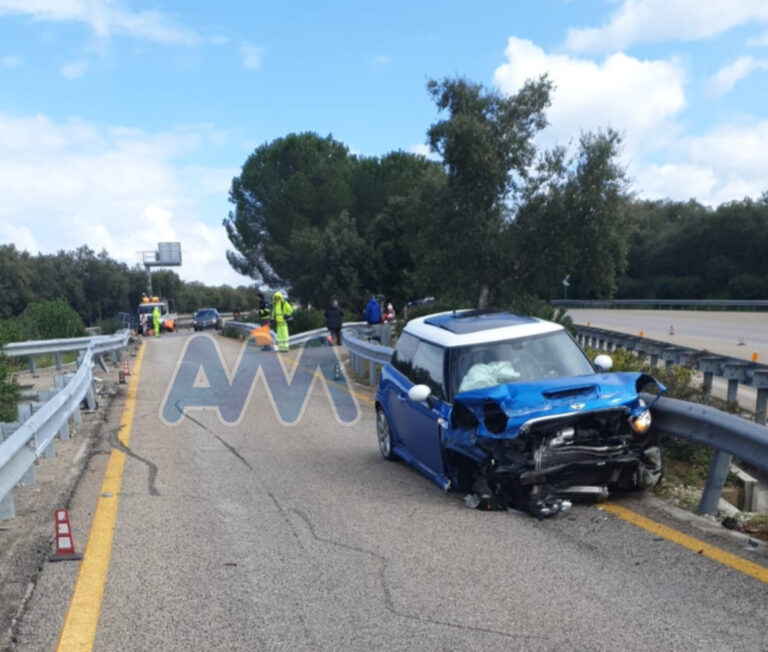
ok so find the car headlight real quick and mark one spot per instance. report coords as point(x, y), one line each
point(640, 423)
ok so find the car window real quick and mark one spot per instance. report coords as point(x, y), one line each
point(552, 355)
point(428, 367)
point(402, 359)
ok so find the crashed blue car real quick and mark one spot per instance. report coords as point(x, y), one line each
point(509, 410)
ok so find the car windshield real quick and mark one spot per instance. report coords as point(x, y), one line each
point(551, 355)
point(205, 314)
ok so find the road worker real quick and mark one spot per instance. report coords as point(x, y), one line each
point(281, 310)
point(156, 320)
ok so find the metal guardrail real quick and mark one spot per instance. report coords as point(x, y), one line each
point(22, 444)
point(97, 343)
point(756, 304)
point(362, 350)
point(735, 370)
point(293, 340)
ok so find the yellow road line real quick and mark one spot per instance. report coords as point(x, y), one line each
point(699, 547)
point(79, 630)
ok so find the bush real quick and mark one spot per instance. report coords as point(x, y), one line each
point(307, 319)
point(747, 286)
point(677, 379)
point(9, 391)
point(110, 326)
point(9, 331)
point(46, 320)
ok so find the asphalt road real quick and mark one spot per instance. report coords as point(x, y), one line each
point(261, 536)
point(718, 332)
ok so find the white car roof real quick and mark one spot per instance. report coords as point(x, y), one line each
point(467, 327)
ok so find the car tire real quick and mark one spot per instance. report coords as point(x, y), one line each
point(384, 435)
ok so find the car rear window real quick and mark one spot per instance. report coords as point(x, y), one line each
point(205, 314)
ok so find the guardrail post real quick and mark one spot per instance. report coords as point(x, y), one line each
point(669, 355)
point(24, 410)
point(718, 472)
point(90, 397)
point(57, 355)
point(371, 373)
point(7, 508)
point(760, 382)
point(734, 373)
point(709, 366)
point(654, 352)
point(76, 416)
point(32, 366)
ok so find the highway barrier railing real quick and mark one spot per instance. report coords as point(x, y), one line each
point(734, 370)
point(98, 344)
point(699, 304)
point(22, 443)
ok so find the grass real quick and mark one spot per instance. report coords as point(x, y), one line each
point(41, 361)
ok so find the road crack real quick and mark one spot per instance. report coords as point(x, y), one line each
point(224, 443)
point(389, 602)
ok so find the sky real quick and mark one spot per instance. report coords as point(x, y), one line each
point(123, 122)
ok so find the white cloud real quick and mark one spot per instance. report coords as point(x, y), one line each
point(728, 76)
point(105, 18)
point(421, 149)
point(125, 190)
point(424, 150)
point(652, 21)
point(639, 98)
point(11, 61)
point(252, 55)
point(74, 69)
point(723, 165)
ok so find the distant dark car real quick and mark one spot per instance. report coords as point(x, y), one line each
point(207, 318)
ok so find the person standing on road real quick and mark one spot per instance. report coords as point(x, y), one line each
point(281, 310)
point(372, 311)
point(156, 320)
point(333, 320)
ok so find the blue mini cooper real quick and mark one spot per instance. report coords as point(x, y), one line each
point(509, 410)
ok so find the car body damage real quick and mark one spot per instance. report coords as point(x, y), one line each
point(537, 445)
point(510, 410)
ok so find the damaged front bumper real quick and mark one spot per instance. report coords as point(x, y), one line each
point(538, 446)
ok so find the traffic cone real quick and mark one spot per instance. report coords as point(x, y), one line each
point(641, 334)
point(65, 546)
point(671, 329)
point(741, 340)
point(126, 369)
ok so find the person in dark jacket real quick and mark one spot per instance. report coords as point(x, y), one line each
point(373, 311)
point(333, 319)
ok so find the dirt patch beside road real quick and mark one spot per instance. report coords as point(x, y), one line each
point(27, 540)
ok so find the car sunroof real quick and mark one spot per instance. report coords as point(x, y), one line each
point(475, 320)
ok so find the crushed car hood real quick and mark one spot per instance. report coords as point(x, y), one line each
point(502, 411)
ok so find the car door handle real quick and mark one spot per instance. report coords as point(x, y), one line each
point(402, 398)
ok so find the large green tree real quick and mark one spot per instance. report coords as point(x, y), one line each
point(486, 144)
point(572, 221)
point(312, 217)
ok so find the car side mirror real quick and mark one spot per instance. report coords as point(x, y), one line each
point(419, 394)
point(603, 362)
